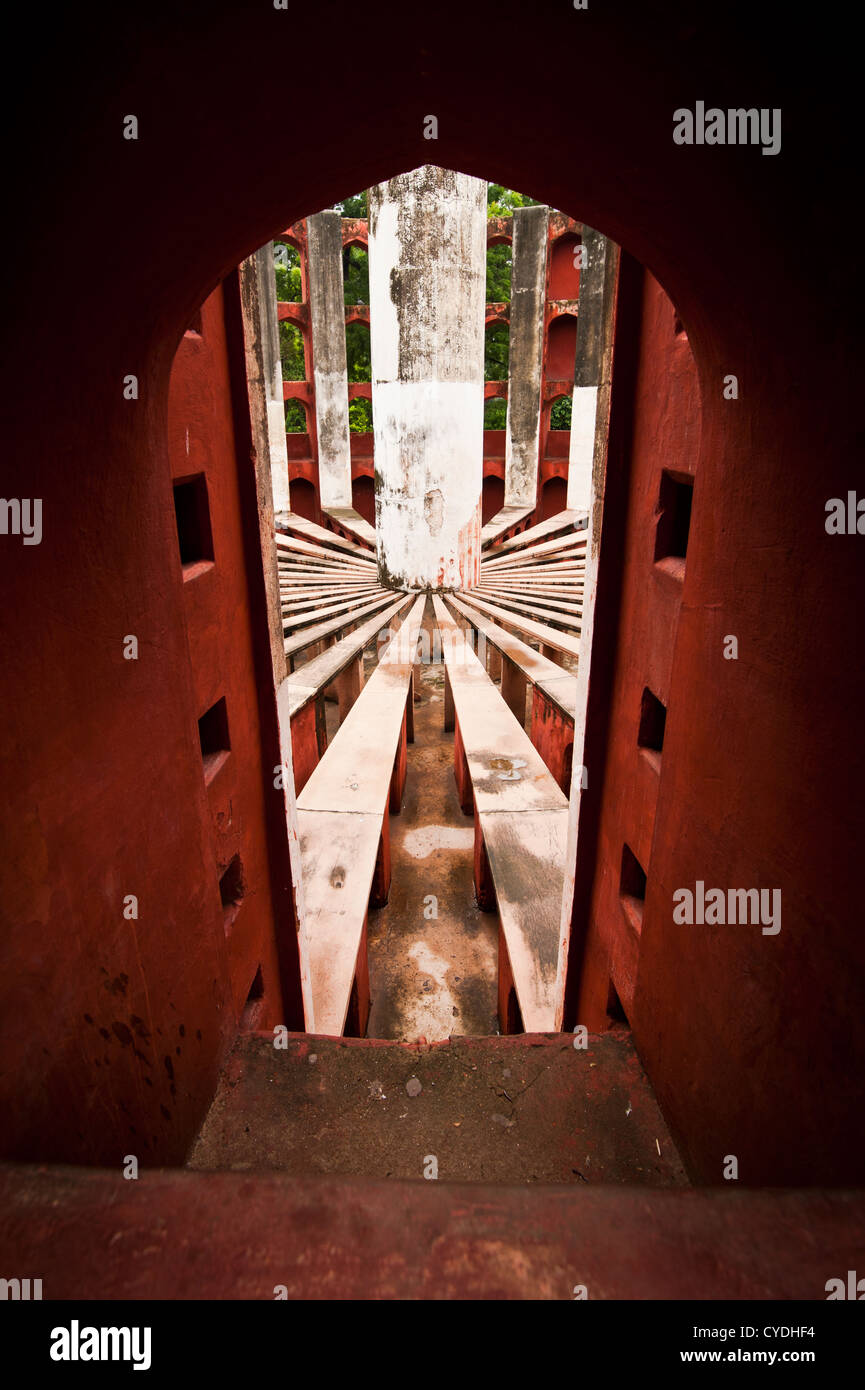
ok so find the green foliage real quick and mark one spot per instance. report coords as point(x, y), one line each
point(355, 206)
point(355, 274)
point(495, 413)
point(295, 418)
point(291, 352)
point(560, 415)
point(360, 416)
point(498, 273)
point(287, 270)
point(502, 201)
point(357, 352)
point(497, 341)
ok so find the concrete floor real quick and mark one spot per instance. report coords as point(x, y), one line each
point(432, 976)
point(523, 1109)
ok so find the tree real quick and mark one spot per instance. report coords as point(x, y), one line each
point(287, 270)
point(497, 343)
point(357, 352)
point(295, 418)
point(360, 415)
point(495, 413)
point(355, 275)
point(501, 203)
point(355, 206)
point(291, 352)
point(499, 263)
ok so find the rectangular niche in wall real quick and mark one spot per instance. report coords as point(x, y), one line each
point(194, 534)
point(254, 1007)
point(615, 1009)
point(653, 719)
point(232, 889)
point(674, 522)
point(632, 888)
point(214, 739)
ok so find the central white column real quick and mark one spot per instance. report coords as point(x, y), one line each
point(427, 278)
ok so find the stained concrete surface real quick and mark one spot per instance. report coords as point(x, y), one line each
point(523, 1109)
point(184, 1235)
point(432, 1091)
point(431, 977)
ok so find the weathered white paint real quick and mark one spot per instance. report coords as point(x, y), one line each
point(269, 328)
point(429, 461)
point(283, 714)
point(581, 448)
point(427, 261)
point(597, 400)
point(429, 1015)
point(327, 324)
point(278, 456)
point(334, 448)
point(523, 425)
point(427, 839)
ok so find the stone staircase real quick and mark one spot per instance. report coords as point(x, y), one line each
point(495, 1168)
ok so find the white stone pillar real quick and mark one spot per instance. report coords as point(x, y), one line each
point(587, 371)
point(427, 276)
point(526, 355)
point(269, 330)
point(327, 326)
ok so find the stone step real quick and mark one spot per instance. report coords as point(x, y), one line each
point(523, 1109)
point(174, 1234)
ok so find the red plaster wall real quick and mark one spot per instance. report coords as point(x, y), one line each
point(736, 1030)
point(552, 735)
point(755, 1047)
point(554, 496)
point(558, 444)
point(363, 498)
point(494, 445)
point(299, 447)
point(303, 496)
point(492, 497)
point(564, 277)
point(201, 439)
point(664, 420)
point(561, 348)
point(362, 446)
